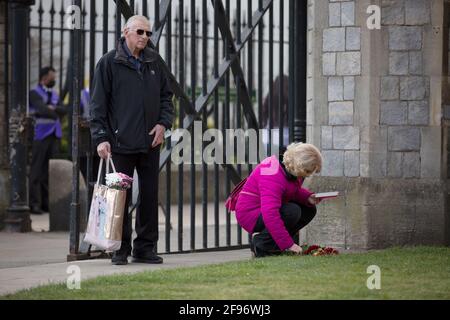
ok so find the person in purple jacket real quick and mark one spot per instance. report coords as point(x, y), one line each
point(46, 109)
point(273, 206)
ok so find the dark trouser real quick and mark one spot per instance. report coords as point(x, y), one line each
point(147, 167)
point(295, 216)
point(42, 152)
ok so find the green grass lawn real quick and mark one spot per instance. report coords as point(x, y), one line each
point(406, 273)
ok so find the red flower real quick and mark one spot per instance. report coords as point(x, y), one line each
point(316, 250)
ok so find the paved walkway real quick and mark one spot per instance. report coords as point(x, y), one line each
point(15, 279)
point(37, 258)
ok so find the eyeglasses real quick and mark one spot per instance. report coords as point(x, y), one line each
point(141, 32)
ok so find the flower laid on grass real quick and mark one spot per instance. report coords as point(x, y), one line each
point(118, 180)
point(315, 250)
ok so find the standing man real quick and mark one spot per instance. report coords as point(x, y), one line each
point(131, 107)
point(46, 109)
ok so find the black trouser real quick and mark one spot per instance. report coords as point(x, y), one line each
point(295, 216)
point(42, 152)
point(147, 167)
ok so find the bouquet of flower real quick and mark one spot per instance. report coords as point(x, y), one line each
point(118, 180)
point(316, 250)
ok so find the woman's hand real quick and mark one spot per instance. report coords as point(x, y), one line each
point(295, 248)
point(313, 200)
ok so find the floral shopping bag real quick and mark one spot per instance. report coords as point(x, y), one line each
point(104, 229)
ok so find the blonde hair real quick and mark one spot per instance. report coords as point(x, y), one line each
point(134, 18)
point(302, 159)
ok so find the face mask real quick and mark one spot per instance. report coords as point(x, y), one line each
point(51, 84)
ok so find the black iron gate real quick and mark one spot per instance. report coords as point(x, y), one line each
point(231, 64)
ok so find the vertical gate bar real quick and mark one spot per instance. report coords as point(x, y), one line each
point(69, 87)
point(75, 205)
point(92, 37)
point(291, 102)
point(61, 48)
point(52, 30)
point(144, 8)
point(132, 5)
point(6, 68)
point(216, 124)
point(168, 165)
point(224, 127)
point(157, 21)
point(300, 70)
point(181, 113)
point(238, 99)
point(300, 74)
point(227, 125)
point(204, 124)
point(250, 80)
point(105, 26)
point(193, 95)
point(281, 102)
point(83, 45)
point(175, 67)
point(204, 84)
point(260, 69)
point(250, 63)
point(29, 45)
point(40, 12)
point(118, 25)
point(270, 84)
point(18, 212)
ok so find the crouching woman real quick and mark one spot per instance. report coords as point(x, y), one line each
point(273, 206)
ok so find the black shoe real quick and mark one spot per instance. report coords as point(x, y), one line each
point(153, 259)
point(36, 210)
point(119, 258)
point(256, 252)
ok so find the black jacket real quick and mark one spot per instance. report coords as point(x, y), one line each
point(126, 103)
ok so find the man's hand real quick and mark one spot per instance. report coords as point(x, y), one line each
point(313, 200)
point(158, 131)
point(296, 249)
point(103, 150)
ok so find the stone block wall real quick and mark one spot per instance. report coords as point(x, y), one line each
point(375, 111)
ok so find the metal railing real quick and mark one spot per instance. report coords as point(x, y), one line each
point(231, 64)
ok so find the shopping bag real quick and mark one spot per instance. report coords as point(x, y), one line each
point(104, 229)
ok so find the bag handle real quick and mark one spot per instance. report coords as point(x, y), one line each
point(112, 164)
point(100, 167)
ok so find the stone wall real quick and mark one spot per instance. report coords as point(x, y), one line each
point(4, 173)
point(374, 109)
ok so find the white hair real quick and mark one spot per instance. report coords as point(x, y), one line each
point(302, 159)
point(132, 19)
